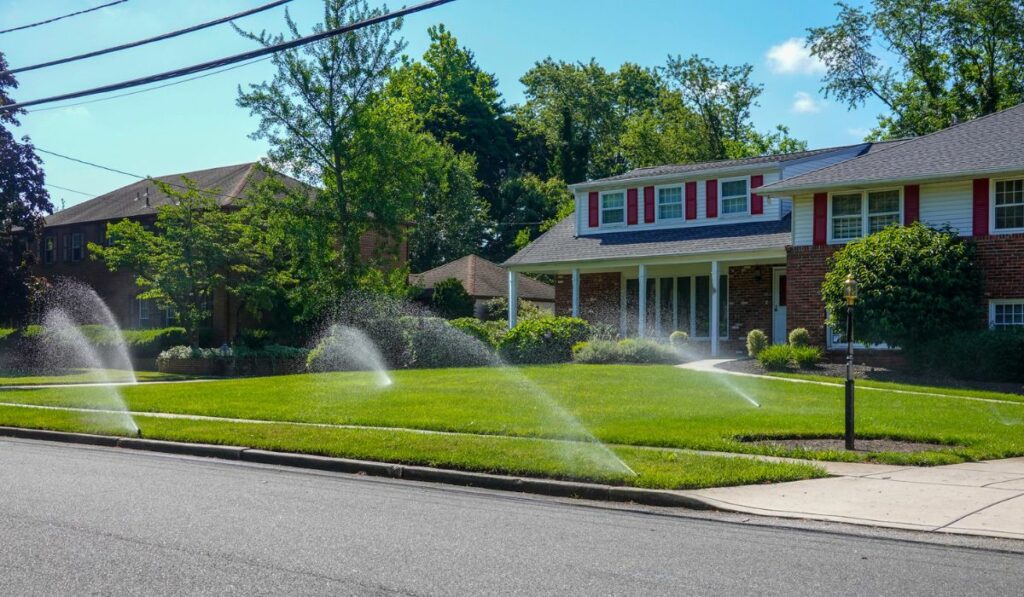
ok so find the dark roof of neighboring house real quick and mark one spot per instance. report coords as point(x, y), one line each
point(130, 201)
point(987, 145)
point(481, 278)
point(560, 245)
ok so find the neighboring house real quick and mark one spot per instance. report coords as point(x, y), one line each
point(64, 252)
point(484, 281)
point(717, 249)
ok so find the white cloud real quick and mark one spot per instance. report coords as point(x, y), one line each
point(803, 103)
point(793, 57)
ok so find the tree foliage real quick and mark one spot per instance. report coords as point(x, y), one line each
point(450, 299)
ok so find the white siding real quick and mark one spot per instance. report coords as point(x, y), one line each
point(803, 220)
point(948, 203)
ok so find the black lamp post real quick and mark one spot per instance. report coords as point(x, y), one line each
point(850, 288)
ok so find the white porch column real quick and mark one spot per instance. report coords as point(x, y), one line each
point(513, 298)
point(714, 308)
point(575, 292)
point(642, 301)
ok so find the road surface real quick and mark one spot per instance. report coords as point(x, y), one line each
point(83, 520)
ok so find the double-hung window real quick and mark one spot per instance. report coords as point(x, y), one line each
point(1006, 314)
point(143, 311)
point(613, 208)
point(1009, 205)
point(735, 199)
point(49, 249)
point(76, 246)
point(856, 214)
point(670, 203)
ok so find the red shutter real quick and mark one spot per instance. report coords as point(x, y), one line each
point(820, 218)
point(594, 221)
point(980, 206)
point(631, 206)
point(691, 200)
point(711, 192)
point(648, 204)
point(911, 204)
point(756, 201)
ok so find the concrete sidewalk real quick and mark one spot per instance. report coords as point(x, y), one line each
point(978, 498)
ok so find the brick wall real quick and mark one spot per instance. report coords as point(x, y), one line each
point(750, 300)
point(1001, 260)
point(599, 296)
point(805, 271)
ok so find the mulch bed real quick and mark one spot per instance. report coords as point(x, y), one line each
point(862, 445)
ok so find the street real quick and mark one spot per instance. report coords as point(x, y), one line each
point(83, 520)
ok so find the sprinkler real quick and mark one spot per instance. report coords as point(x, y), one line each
point(138, 432)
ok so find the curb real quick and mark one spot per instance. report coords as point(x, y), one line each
point(551, 487)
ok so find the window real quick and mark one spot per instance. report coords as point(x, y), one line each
point(734, 196)
point(670, 203)
point(855, 213)
point(1006, 314)
point(680, 303)
point(66, 246)
point(1009, 204)
point(143, 311)
point(613, 208)
point(76, 246)
point(49, 249)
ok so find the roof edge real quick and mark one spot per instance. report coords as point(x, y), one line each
point(781, 188)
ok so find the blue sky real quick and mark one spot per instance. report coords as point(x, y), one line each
point(196, 125)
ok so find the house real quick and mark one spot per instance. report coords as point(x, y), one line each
point(484, 281)
point(719, 248)
point(67, 233)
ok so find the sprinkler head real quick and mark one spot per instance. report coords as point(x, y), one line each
point(138, 432)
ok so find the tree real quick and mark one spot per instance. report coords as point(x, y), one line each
point(450, 299)
point(528, 204)
point(23, 203)
point(916, 284)
point(184, 259)
point(954, 60)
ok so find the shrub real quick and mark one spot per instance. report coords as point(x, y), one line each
point(806, 357)
point(255, 339)
point(175, 353)
point(679, 339)
point(450, 299)
point(32, 331)
point(391, 338)
point(149, 342)
point(800, 337)
point(436, 343)
point(603, 331)
point(271, 351)
point(981, 355)
point(488, 332)
point(5, 332)
point(496, 309)
point(629, 350)
point(777, 357)
point(757, 341)
point(548, 340)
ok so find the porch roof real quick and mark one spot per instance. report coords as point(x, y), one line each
point(559, 245)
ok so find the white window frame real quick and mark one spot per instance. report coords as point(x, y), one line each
point(992, 208)
point(992, 310)
point(691, 325)
point(77, 238)
point(601, 209)
point(143, 311)
point(682, 202)
point(721, 197)
point(865, 217)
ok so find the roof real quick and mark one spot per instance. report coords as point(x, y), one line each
point(986, 145)
point(481, 278)
point(561, 245)
point(231, 182)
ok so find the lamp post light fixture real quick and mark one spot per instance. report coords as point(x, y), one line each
point(850, 288)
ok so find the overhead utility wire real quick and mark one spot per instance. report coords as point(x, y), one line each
point(81, 12)
point(55, 186)
point(150, 40)
point(236, 58)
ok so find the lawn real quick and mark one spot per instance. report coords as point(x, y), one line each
point(657, 406)
point(906, 387)
point(13, 378)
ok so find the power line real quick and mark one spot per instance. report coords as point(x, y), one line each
point(69, 190)
point(150, 40)
point(181, 72)
point(81, 12)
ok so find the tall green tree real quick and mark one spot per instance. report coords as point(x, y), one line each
point(953, 60)
point(532, 205)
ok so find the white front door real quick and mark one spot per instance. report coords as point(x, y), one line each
point(779, 291)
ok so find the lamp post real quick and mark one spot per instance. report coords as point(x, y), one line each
point(850, 288)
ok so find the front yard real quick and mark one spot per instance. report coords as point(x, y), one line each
point(516, 420)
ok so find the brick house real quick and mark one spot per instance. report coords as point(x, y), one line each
point(484, 281)
point(719, 248)
point(63, 250)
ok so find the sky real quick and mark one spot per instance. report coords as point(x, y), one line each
point(196, 125)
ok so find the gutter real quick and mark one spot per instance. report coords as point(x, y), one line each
point(604, 183)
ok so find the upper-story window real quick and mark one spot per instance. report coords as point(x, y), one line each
point(856, 214)
point(613, 208)
point(735, 199)
point(49, 249)
point(76, 246)
point(670, 203)
point(1009, 205)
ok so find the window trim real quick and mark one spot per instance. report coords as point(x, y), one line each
point(992, 310)
point(81, 246)
point(50, 256)
point(682, 202)
point(143, 307)
point(691, 325)
point(992, 207)
point(864, 215)
point(601, 210)
point(721, 197)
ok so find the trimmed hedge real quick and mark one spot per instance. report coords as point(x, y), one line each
point(488, 332)
point(982, 355)
point(757, 341)
point(629, 351)
point(547, 340)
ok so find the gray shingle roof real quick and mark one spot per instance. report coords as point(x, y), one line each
point(483, 279)
point(987, 145)
point(559, 245)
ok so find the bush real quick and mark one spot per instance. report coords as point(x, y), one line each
point(679, 339)
point(175, 353)
point(603, 331)
point(436, 343)
point(148, 343)
point(757, 341)
point(806, 357)
point(777, 357)
point(548, 340)
point(270, 351)
point(344, 348)
point(450, 299)
point(496, 309)
point(800, 337)
point(5, 332)
point(488, 332)
point(630, 350)
point(255, 339)
point(981, 355)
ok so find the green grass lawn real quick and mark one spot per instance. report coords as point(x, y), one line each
point(889, 385)
point(8, 378)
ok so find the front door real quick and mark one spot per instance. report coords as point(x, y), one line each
point(779, 306)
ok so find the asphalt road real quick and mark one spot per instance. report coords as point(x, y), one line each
point(80, 520)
